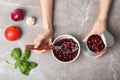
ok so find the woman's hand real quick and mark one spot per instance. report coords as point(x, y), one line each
point(100, 25)
point(98, 28)
point(44, 38)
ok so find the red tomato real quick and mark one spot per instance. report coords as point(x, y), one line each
point(12, 33)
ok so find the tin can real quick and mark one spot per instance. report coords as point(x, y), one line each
point(107, 39)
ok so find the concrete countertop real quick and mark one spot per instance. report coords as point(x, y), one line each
point(74, 17)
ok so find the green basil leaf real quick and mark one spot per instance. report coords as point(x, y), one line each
point(26, 55)
point(16, 53)
point(24, 68)
point(18, 63)
point(32, 65)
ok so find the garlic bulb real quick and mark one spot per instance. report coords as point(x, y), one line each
point(30, 20)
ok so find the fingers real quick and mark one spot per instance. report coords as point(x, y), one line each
point(86, 37)
point(44, 50)
point(50, 42)
point(37, 43)
point(41, 51)
point(102, 53)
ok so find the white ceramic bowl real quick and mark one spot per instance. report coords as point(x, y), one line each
point(62, 37)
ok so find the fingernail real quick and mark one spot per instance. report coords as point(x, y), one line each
point(97, 57)
point(84, 40)
point(35, 46)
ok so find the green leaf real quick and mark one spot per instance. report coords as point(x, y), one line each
point(16, 53)
point(26, 55)
point(24, 68)
point(32, 65)
point(18, 63)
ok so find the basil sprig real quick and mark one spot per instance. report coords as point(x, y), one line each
point(21, 61)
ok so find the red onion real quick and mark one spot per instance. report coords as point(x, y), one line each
point(17, 15)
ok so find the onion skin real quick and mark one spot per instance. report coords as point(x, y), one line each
point(17, 15)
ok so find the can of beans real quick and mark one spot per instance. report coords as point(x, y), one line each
point(96, 43)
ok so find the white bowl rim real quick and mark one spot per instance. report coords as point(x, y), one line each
point(70, 36)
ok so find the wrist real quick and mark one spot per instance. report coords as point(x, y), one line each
point(47, 27)
point(102, 18)
point(102, 23)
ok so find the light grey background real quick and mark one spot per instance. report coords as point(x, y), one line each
point(74, 17)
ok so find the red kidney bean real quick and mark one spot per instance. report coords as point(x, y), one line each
point(95, 43)
point(59, 54)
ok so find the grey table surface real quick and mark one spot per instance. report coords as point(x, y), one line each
point(74, 17)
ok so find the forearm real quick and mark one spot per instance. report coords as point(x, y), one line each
point(46, 10)
point(104, 9)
